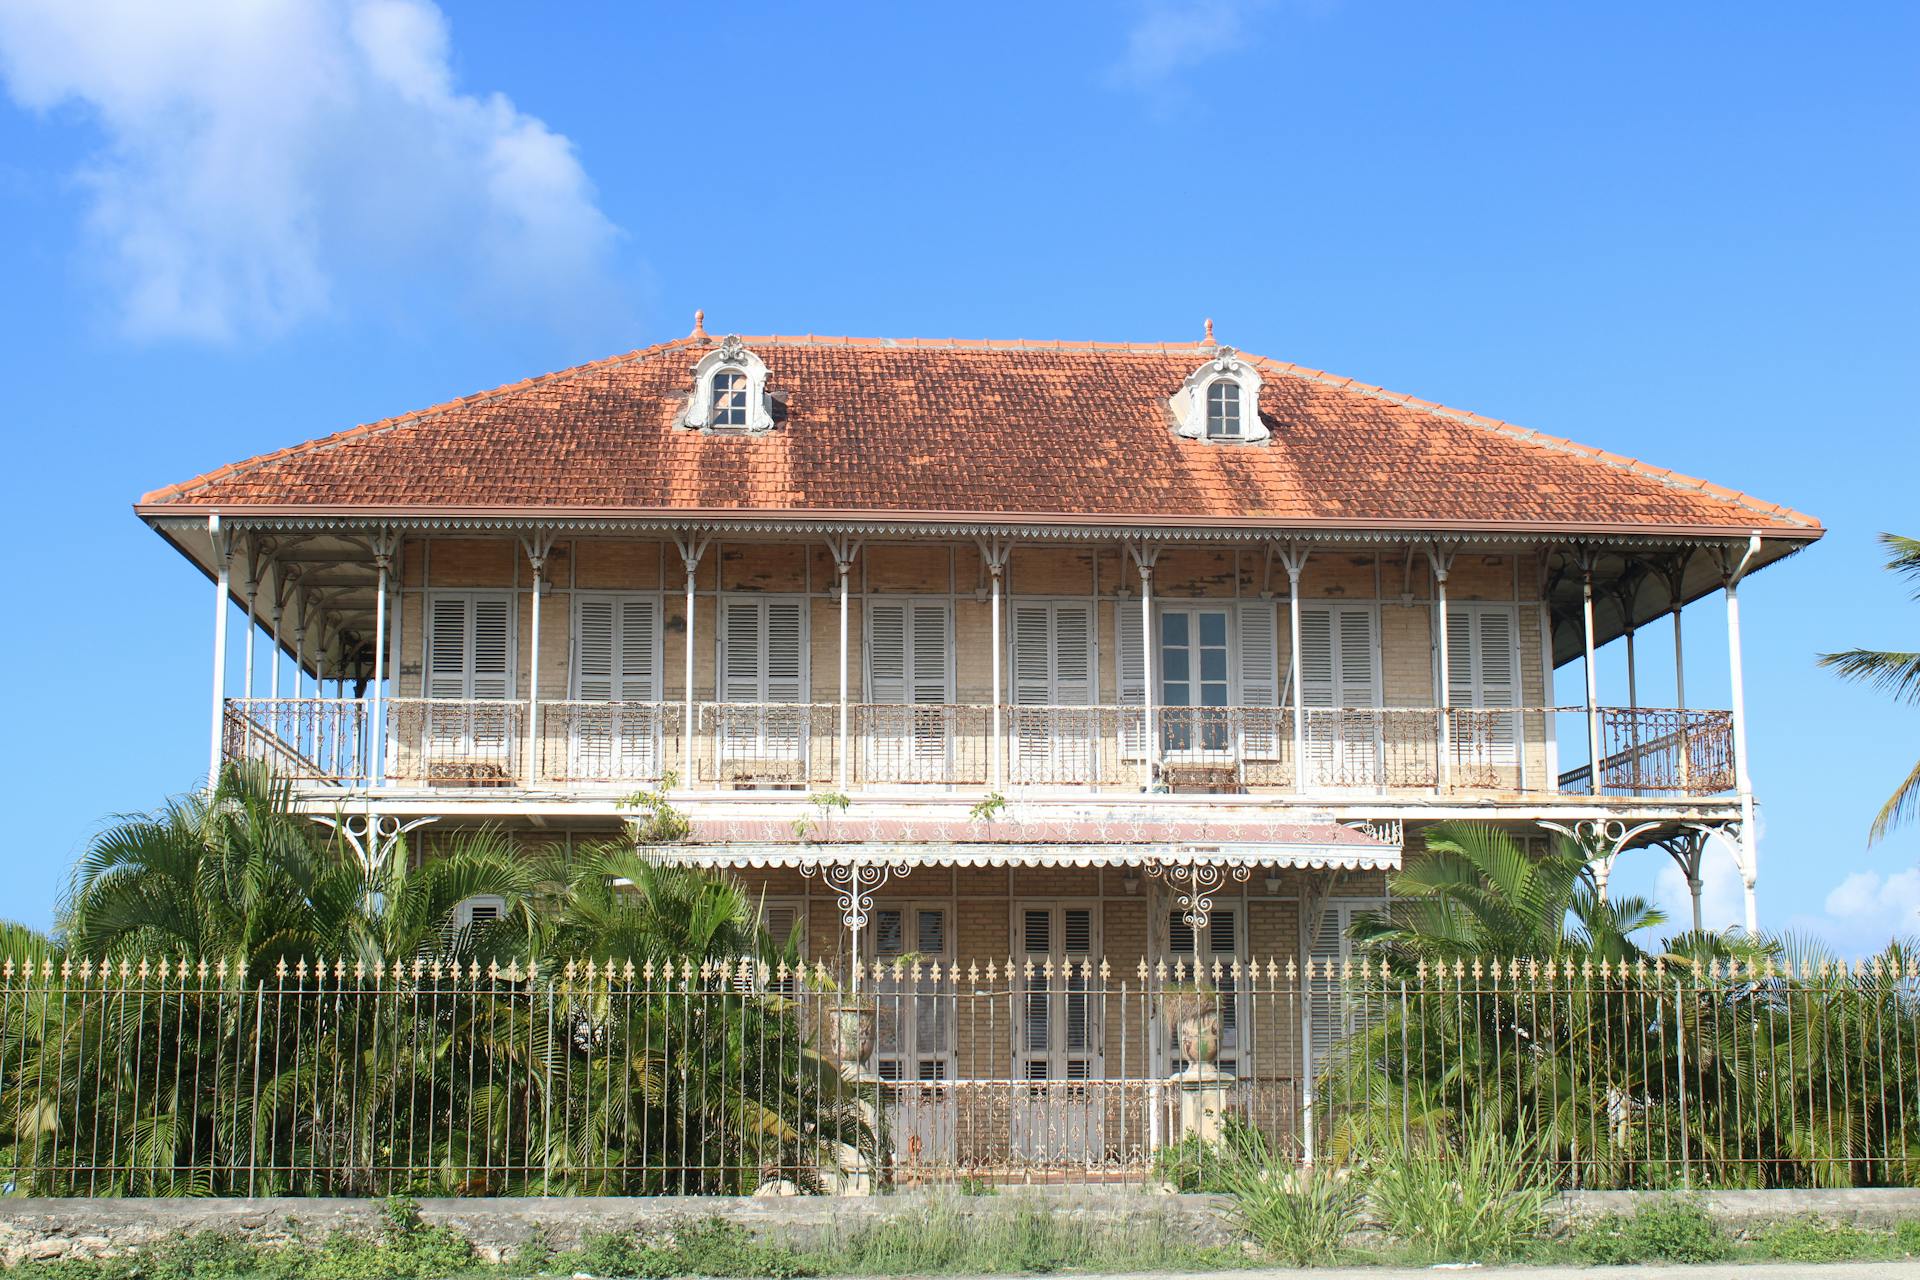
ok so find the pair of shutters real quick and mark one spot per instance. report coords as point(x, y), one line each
point(1057, 1031)
point(763, 667)
point(616, 661)
point(910, 686)
point(1483, 670)
point(1198, 952)
point(1330, 1007)
point(1258, 675)
point(1052, 666)
point(469, 661)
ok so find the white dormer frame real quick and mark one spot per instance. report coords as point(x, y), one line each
point(1189, 403)
point(731, 356)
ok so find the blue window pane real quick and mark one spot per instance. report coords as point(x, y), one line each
point(1175, 693)
point(1213, 664)
point(1175, 665)
point(1213, 628)
point(1213, 695)
point(1173, 628)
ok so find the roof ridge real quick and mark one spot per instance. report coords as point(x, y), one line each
point(1530, 435)
point(231, 469)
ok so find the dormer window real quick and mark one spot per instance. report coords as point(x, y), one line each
point(729, 392)
point(1220, 402)
point(1223, 409)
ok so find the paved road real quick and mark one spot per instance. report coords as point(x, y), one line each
point(1714, 1271)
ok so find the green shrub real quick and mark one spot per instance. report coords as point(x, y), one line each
point(1194, 1165)
point(1812, 1239)
point(1480, 1196)
point(1669, 1229)
point(1301, 1216)
point(1906, 1237)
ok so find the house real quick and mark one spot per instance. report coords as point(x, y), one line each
point(1039, 652)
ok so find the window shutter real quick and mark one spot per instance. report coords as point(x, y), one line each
point(639, 675)
point(886, 651)
point(1324, 991)
point(447, 647)
point(1032, 655)
point(931, 669)
point(1259, 680)
point(743, 667)
point(1359, 674)
point(492, 648)
point(1316, 656)
point(1461, 686)
point(1131, 672)
point(593, 650)
point(786, 651)
point(1073, 655)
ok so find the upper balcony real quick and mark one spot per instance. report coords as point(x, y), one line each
point(616, 747)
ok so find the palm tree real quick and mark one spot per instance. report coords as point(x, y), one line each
point(1891, 672)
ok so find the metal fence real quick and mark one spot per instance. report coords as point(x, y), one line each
point(168, 1077)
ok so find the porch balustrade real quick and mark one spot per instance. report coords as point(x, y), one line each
point(486, 744)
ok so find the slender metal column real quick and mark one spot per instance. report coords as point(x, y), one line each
point(222, 588)
point(376, 718)
point(251, 589)
point(1593, 681)
point(273, 629)
point(843, 552)
point(1679, 662)
point(538, 547)
point(1443, 565)
point(1743, 780)
point(1144, 558)
point(995, 555)
point(1294, 558)
point(690, 553)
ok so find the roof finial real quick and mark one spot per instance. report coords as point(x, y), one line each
point(1209, 338)
point(700, 326)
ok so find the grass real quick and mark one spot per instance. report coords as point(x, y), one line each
point(1297, 1219)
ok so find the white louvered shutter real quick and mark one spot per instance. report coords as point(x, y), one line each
point(786, 651)
point(931, 680)
point(1317, 681)
point(492, 648)
point(1032, 655)
point(1259, 681)
point(1499, 675)
point(447, 647)
point(638, 679)
point(886, 652)
point(742, 651)
point(1324, 991)
point(593, 649)
point(1052, 665)
point(1130, 666)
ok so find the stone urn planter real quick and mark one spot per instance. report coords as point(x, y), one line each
point(1193, 1015)
point(850, 1035)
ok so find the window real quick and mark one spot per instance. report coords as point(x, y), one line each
point(470, 647)
point(616, 662)
point(909, 687)
point(1058, 1036)
point(1051, 657)
point(729, 399)
point(1340, 689)
point(914, 1036)
point(479, 911)
point(729, 391)
point(1223, 410)
point(763, 682)
point(1211, 657)
point(1330, 1013)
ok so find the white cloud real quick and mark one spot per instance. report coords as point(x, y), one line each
point(264, 160)
point(1865, 910)
point(1171, 36)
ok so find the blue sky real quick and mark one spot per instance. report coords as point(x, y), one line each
point(1680, 232)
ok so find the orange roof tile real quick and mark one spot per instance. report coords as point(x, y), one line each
point(925, 429)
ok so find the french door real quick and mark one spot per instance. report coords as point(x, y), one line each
point(469, 664)
point(1340, 691)
point(1052, 661)
point(913, 1043)
point(1059, 1114)
point(763, 685)
point(909, 734)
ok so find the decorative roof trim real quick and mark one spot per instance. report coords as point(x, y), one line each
point(194, 518)
point(1343, 855)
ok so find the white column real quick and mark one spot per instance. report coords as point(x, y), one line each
point(1679, 662)
point(996, 557)
point(1296, 562)
point(251, 589)
point(376, 717)
point(1743, 781)
point(1593, 682)
point(222, 588)
point(273, 623)
point(1152, 744)
point(537, 548)
point(299, 658)
point(843, 562)
point(690, 553)
point(1442, 564)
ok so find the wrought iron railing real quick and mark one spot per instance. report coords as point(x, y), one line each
point(800, 746)
point(163, 1077)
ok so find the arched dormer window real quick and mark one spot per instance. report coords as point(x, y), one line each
point(1220, 402)
point(729, 391)
point(1223, 409)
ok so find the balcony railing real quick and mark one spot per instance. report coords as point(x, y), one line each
point(808, 746)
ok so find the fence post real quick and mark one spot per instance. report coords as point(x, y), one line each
point(1680, 1043)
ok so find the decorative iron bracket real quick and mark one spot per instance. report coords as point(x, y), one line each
point(1195, 883)
point(1604, 840)
point(371, 835)
point(853, 885)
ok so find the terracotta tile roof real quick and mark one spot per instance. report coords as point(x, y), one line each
point(921, 428)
